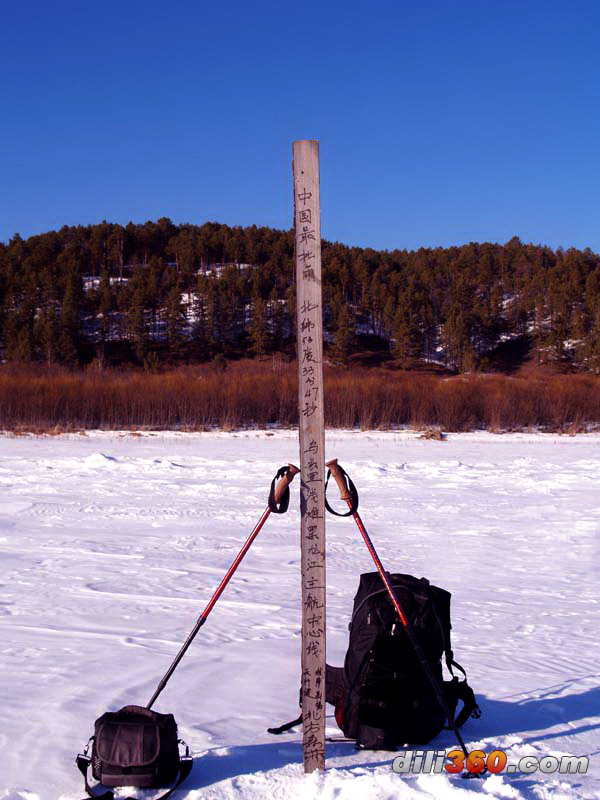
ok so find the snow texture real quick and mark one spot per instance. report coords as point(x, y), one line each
point(111, 545)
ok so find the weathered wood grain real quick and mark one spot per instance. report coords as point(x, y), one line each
point(307, 225)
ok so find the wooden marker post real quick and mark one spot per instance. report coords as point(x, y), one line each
point(307, 226)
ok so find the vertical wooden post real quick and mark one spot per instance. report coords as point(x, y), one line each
point(307, 227)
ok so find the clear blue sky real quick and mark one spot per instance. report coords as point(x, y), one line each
point(440, 122)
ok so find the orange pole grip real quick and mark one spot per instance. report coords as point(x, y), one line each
point(339, 479)
point(285, 481)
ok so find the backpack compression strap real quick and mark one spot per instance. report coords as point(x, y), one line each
point(83, 762)
point(288, 726)
point(351, 489)
point(465, 693)
point(470, 706)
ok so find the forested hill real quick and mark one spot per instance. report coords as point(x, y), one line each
point(160, 292)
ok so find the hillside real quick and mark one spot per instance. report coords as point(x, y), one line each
point(162, 293)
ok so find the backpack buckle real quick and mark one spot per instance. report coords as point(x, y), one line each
point(187, 750)
point(83, 763)
point(87, 747)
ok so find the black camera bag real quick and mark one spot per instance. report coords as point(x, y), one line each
point(135, 746)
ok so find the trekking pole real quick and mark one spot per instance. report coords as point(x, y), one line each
point(279, 498)
point(348, 493)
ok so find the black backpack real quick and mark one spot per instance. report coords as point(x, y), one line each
point(382, 696)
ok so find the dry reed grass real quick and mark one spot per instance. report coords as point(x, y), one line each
point(252, 393)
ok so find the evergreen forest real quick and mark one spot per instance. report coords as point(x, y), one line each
point(158, 294)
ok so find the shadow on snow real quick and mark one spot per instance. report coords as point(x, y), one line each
point(499, 718)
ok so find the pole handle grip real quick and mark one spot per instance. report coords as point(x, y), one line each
point(285, 481)
point(334, 468)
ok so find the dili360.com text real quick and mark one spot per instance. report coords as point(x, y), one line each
point(425, 761)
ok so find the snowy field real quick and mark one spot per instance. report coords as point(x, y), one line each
point(111, 545)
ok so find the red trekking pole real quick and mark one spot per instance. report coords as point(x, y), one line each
point(348, 493)
point(278, 502)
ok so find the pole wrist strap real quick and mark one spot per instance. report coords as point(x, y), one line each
point(353, 495)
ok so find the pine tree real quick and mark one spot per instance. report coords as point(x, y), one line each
point(591, 346)
point(139, 324)
point(277, 314)
point(19, 338)
point(409, 322)
point(200, 328)
point(258, 330)
point(176, 321)
point(457, 342)
point(47, 335)
point(105, 307)
point(403, 346)
point(343, 340)
point(69, 335)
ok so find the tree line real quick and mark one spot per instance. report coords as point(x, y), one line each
point(158, 292)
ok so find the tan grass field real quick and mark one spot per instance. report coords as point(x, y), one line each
point(258, 393)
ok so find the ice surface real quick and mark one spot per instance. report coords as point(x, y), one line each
point(111, 545)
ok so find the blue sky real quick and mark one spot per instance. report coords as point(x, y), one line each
point(440, 122)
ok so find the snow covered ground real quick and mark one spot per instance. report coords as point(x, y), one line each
point(111, 544)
